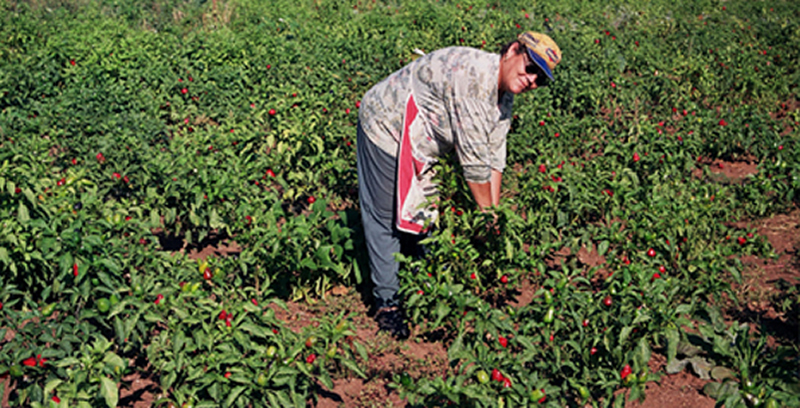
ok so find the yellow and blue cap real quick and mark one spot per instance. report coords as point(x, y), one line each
point(542, 50)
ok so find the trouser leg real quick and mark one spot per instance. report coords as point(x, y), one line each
point(382, 243)
point(376, 189)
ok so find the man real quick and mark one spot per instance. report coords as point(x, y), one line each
point(454, 98)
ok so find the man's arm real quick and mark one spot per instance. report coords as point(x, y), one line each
point(497, 180)
point(487, 194)
point(482, 194)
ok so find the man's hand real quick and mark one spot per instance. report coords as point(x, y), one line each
point(487, 195)
point(491, 229)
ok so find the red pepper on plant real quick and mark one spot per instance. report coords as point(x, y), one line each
point(496, 375)
point(626, 371)
point(607, 301)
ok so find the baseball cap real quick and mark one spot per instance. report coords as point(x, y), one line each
point(542, 50)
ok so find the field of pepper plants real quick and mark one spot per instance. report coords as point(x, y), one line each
point(177, 181)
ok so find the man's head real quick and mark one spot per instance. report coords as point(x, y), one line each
point(542, 50)
point(527, 63)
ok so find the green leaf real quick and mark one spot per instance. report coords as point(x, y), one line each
point(109, 390)
point(111, 266)
point(234, 395)
point(641, 317)
point(676, 366)
point(456, 347)
point(51, 385)
point(720, 373)
point(736, 274)
point(114, 360)
point(722, 346)
point(22, 213)
point(625, 333)
point(178, 341)
point(643, 352)
point(323, 254)
point(325, 379)
point(602, 248)
point(4, 256)
point(273, 400)
point(169, 379)
point(362, 351)
point(673, 337)
point(352, 366)
point(257, 331)
point(214, 220)
point(309, 263)
point(214, 390)
point(67, 361)
point(688, 349)
point(683, 309)
point(284, 400)
point(712, 389)
point(155, 219)
point(619, 401)
point(194, 219)
point(701, 367)
point(119, 329)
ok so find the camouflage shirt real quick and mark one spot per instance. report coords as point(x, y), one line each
point(456, 97)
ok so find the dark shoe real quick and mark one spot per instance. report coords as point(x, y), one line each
point(391, 320)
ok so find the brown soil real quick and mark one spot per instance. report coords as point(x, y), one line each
point(681, 390)
point(782, 112)
point(140, 393)
point(760, 288)
point(386, 355)
point(727, 171)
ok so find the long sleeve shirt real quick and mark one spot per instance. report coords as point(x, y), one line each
point(446, 100)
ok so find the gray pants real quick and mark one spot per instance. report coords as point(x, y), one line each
point(377, 174)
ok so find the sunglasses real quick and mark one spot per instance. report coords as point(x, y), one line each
point(532, 68)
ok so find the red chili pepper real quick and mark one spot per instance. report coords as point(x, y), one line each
point(626, 371)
